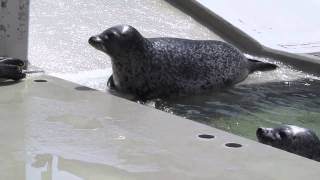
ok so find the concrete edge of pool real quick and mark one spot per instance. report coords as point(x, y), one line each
point(243, 41)
point(153, 144)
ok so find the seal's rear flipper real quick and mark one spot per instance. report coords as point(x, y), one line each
point(255, 65)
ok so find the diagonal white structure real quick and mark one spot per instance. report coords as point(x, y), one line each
point(291, 26)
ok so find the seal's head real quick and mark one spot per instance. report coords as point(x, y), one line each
point(117, 41)
point(291, 138)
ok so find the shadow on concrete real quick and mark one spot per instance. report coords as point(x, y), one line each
point(6, 82)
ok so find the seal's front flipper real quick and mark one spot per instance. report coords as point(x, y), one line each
point(255, 65)
point(110, 83)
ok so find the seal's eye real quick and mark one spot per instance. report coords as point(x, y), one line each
point(109, 35)
point(283, 134)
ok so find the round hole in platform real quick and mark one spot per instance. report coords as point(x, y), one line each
point(84, 88)
point(233, 145)
point(206, 136)
point(40, 80)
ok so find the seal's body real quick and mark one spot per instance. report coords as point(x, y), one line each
point(301, 141)
point(160, 67)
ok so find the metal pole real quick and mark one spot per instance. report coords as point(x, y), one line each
point(14, 19)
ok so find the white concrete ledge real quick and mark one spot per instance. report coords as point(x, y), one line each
point(54, 129)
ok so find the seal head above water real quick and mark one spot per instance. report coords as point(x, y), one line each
point(294, 139)
point(160, 67)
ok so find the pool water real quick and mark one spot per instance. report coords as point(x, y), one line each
point(243, 108)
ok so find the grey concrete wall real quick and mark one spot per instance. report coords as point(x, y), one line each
point(14, 18)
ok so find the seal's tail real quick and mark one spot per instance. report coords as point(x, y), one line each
point(255, 65)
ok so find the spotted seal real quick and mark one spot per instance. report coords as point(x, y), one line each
point(294, 139)
point(160, 67)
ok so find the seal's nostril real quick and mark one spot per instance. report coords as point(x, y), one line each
point(92, 40)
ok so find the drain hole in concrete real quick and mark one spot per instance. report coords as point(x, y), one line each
point(233, 145)
point(206, 136)
point(40, 80)
point(84, 88)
